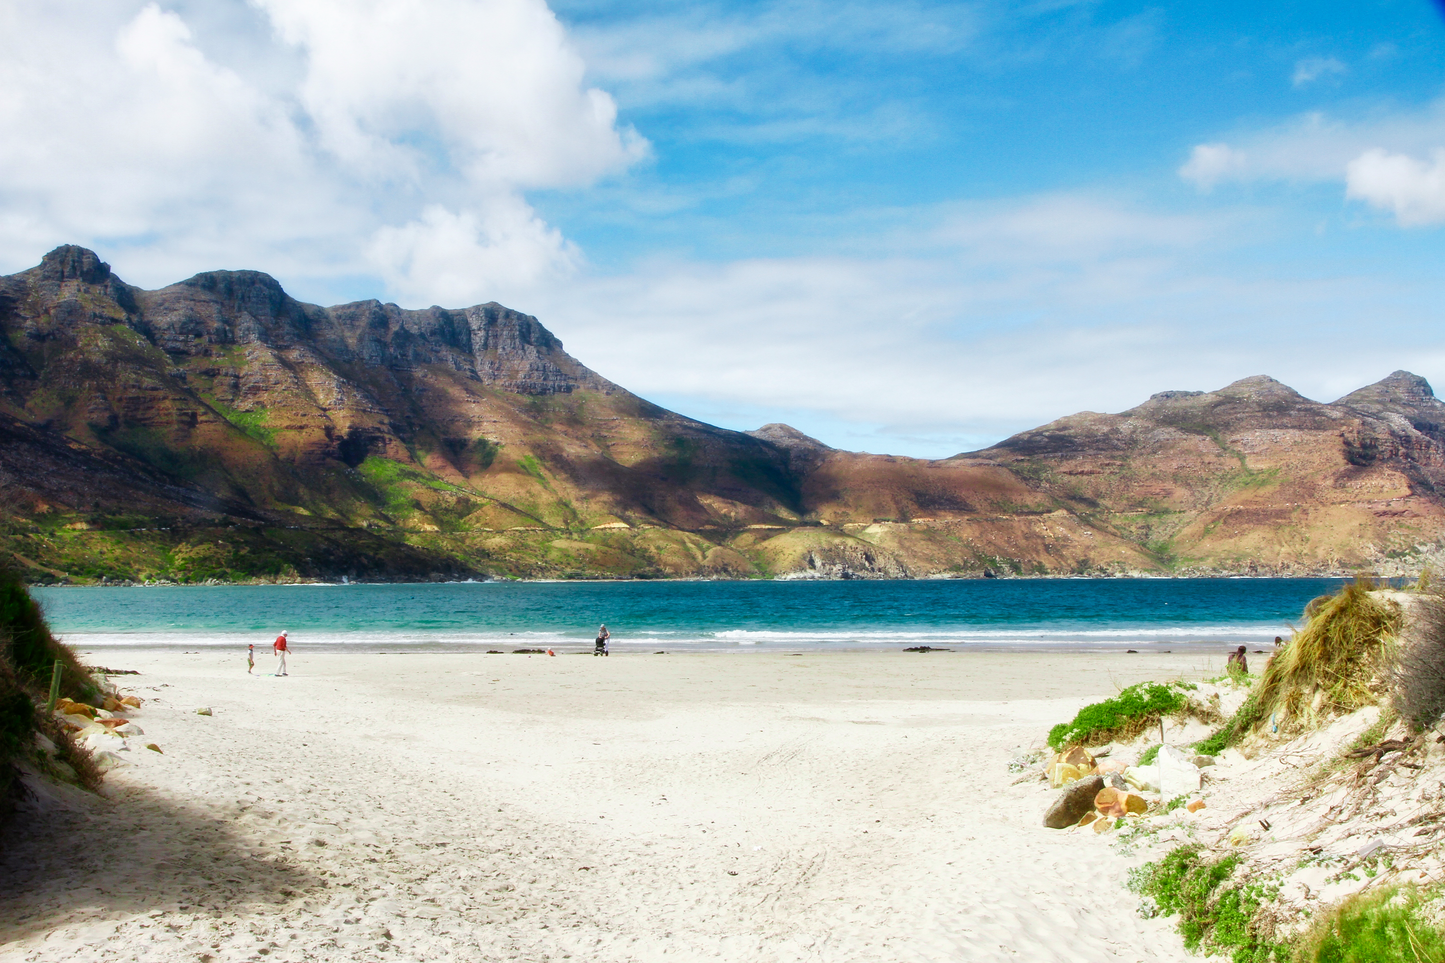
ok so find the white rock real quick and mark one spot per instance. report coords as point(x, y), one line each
point(104, 742)
point(1373, 846)
point(1177, 772)
point(129, 729)
point(104, 714)
point(105, 760)
point(1143, 778)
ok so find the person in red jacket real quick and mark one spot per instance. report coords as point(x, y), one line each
point(280, 646)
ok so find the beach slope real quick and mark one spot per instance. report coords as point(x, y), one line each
point(751, 807)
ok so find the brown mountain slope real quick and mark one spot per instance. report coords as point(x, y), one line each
point(1253, 477)
point(217, 428)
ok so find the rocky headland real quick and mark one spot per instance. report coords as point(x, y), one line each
point(218, 429)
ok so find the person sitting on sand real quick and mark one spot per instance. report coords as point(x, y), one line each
point(280, 646)
point(600, 646)
point(1237, 661)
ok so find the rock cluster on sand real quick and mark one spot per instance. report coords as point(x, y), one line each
point(1096, 791)
point(104, 731)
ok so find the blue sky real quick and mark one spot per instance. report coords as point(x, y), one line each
point(904, 227)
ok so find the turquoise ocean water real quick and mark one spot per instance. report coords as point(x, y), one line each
point(745, 616)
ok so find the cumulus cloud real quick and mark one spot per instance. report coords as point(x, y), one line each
point(402, 125)
point(1311, 69)
point(1413, 189)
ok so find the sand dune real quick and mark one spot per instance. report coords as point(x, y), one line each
point(750, 807)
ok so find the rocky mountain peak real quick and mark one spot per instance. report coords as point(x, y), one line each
point(71, 262)
point(786, 436)
point(1401, 389)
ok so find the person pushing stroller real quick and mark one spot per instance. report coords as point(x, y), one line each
point(600, 646)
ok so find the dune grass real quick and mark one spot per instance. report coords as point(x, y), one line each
point(1333, 663)
point(28, 653)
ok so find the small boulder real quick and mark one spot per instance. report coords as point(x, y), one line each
point(112, 723)
point(1077, 756)
point(132, 702)
point(1061, 774)
point(1103, 824)
point(1201, 761)
point(44, 744)
point(203, 711)
point(1142, 778)
point(1134, 805)
point(1110, 802)
point(106, 760)
point(78, 709)
point(128, 730)
point(1088, 818)
point(104, 742)
point(1194, 805)
point(112, 704)
point(1073, 802)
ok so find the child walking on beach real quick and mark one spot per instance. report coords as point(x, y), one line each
point(250, 658)
point(280, 646)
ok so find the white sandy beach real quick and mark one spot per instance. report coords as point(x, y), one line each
point(750, 807)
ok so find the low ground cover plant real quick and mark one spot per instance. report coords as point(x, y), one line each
point(1126, 715)
point(1216, 915)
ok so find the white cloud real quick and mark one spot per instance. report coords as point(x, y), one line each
point(1002, 317)
point(453, 258)
point(1412, 189)
point(1373, 156)
point(1208, 164)
point(403, 124)
point(1310, 69)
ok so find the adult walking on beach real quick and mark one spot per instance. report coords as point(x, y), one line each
point(600, 646)
point(280, 646)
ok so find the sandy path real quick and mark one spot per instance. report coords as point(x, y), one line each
point(752, 807)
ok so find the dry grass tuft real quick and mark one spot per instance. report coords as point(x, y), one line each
point(1335, 662)
point(1418, 676)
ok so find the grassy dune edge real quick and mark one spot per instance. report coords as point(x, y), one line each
point(1306, 827)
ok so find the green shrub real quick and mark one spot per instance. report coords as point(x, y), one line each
point(1386, 925)
point(1213, 916)
point(1124, 716)
point(1150, 754)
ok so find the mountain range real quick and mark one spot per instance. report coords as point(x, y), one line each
point(219, 429)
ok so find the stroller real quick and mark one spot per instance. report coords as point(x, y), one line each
point(599, 647)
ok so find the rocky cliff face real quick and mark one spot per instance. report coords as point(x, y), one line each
point(218, 428)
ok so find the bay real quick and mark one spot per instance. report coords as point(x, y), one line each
point(744, 615)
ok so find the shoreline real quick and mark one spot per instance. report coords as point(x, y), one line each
point(828, 807)
point(1103, 576)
